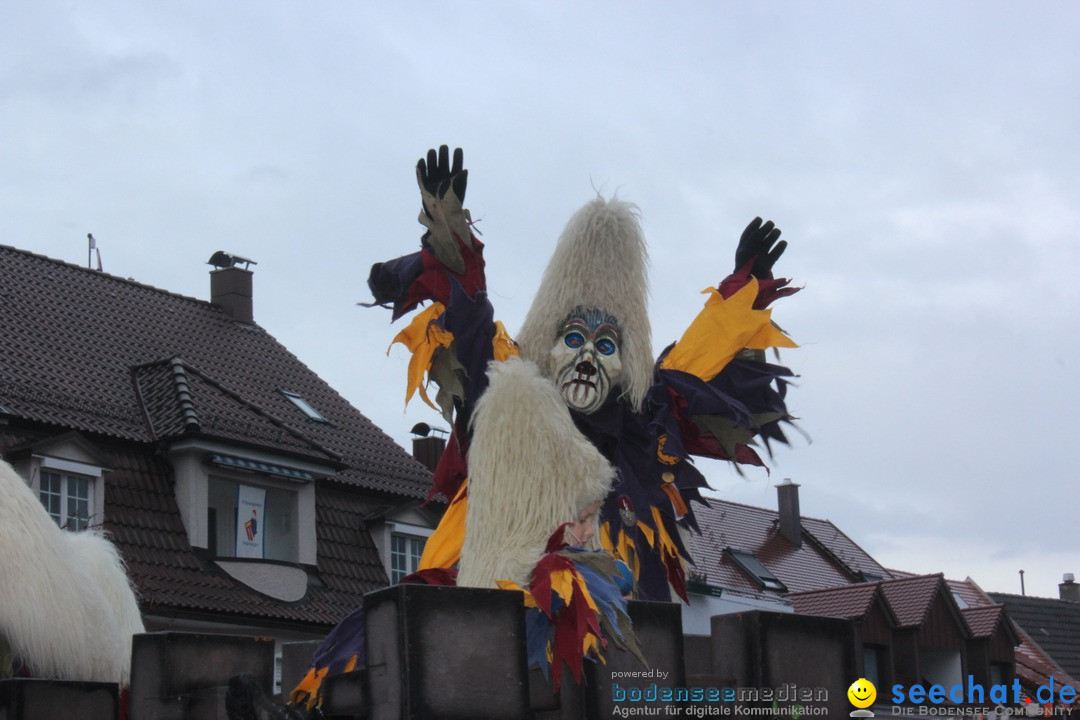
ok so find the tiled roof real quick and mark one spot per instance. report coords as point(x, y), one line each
point(143, 520)
point(982, 621)
point(827, 557)
point(847, 603)
point(1053, 623)
point(1034, 667)
point(103, 355)
point(842, 548)
point(911, 598)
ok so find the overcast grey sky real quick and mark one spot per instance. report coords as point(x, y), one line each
point(921, 158)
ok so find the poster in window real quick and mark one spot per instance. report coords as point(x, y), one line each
point(250, 522)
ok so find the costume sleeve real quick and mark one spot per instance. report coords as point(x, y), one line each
point(452, 340)
point(713, 396)
point(718, 394)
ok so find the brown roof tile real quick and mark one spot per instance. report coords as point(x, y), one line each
point(144, 522)
point(911, 598)
point(814, 565)
point(982, 621)
point(80, 349)
point(848, 602)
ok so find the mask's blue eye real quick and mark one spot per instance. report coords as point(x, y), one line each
point(574, 340)
point(605, 346)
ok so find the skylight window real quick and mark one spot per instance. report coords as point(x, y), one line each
point(304, 406)
point(753, 567)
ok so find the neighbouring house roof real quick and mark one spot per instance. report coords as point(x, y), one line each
point(132, 367)
point(1034, 666)
point(911, 598)
point(826, 558)
point(982, 621)
point(1051, 622)
point(92, 352)
point(848, 602)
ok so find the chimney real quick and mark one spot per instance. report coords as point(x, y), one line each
point(790, 519)
point(230, 286)
point(1069, 589)
point(427, 448)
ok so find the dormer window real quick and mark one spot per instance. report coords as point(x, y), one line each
point(305, 407)
point(66, 474)
point(755, 569)
point(405, 552)
point(67, 498)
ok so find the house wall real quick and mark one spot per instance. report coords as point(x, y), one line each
point(941, 630)
point(906, 657)
point(697, 616)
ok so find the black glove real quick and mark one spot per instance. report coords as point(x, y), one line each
point(436, 176)
point(442, 189)
point(758, 241)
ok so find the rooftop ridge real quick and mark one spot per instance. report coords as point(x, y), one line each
point(713, 500)
point(183, 395)
point(109, 276)
point(1034, 597)
point(842, 588)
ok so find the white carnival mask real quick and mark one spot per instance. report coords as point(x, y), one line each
point(586, 359)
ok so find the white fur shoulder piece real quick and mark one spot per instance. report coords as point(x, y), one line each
point(530, 470)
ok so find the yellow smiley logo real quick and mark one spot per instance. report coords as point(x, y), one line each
point(862, 693)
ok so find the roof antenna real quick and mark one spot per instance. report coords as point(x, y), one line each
point(1022, 583)
point(91, 249)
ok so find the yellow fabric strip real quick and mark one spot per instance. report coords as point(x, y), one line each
point(503, 345)
point(668, 548)
point(530, 601)
point(443, 548)
point(307, 692)
point(722, 329)
point(647, 531)
point(422, 337)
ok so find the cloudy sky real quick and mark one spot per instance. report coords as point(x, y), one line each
point(921, 157)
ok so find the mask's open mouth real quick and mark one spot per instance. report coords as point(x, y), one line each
point(584, 375)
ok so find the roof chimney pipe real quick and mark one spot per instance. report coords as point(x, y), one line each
point(428, 448)
point(231, 286)
point(1069, 589)
point(790, 519)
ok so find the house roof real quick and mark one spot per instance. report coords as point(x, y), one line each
point(847, 603)
point(92, 352)
point(1034, 667)
point(982, 621)
point(826, 558)
point(911, 598)
point(1052, 623)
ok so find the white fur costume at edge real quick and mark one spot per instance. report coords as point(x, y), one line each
point(67, 609)
point(531, 470)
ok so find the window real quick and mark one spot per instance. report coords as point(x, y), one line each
point(874, 664)
point(67, 498)
point(999, 673)
point(304, 406)
point(405, 552)
point(755, 569)
point(251, 521)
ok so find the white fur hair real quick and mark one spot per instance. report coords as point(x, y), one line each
point(66, 608)
point(530, 470)
point(94, 551)
point(601, 261)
